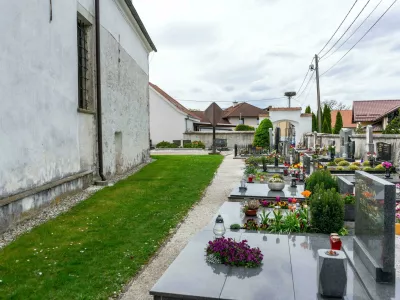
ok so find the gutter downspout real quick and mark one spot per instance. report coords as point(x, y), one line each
point(98, 91)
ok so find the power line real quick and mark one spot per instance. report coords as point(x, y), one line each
point(305, 77)
point(338, 28)
point(312, 74)
point(207, 101)
point(308, 93)
point(360, 39)
point(346, 30)
point(355, 30)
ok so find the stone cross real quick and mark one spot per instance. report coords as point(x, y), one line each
point(369, 146)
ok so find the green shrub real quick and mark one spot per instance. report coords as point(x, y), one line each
point(368, 169)
point(243, 127)
point(354, 167)
point(366, 164)
point(235, 226)
point(165, 144)
point(321, 176)
point(331, 164)
point(343, 163)
point(338, 160)
point(356, 163)
point(253, 160)
point(327, 210)
point(379, 168)
point(195, 144)
point(261, 136)
point(251, 170)
point(339, 168)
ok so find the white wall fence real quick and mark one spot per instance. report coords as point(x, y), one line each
point(232, 137)
point(360, 142)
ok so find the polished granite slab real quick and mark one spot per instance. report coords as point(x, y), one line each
point(262, 191)
point(289, 271)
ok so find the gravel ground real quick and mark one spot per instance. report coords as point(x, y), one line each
point(227, 177)
point(54, 209)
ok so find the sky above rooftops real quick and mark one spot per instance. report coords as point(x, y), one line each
point(239, 50)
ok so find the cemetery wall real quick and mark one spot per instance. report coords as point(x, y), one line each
point(360, 142)
point(232, 137)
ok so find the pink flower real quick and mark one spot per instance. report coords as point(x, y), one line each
point(278, 198)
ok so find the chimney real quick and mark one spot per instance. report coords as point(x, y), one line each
point(235, 103)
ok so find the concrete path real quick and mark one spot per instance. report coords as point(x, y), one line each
point(228, 176)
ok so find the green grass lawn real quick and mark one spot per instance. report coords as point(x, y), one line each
point(94, 249)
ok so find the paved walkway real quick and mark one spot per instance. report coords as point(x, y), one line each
point(227, 177)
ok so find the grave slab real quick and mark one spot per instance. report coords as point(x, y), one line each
point(262, 191)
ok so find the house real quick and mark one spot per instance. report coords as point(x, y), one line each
point(347, 118)
point(243, 113)
point(75, 103)
point(377, 113)
point(205, 125)
point(168, 118)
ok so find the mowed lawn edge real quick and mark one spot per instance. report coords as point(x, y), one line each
point(93, 250)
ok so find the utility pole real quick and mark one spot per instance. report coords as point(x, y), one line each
point(318, 94)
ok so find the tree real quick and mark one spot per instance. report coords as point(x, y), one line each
point(327, 118)
point(325, 127)
point(359, 128)
point(393, 127)
point(308, 110)
point(335, 105)
point(338, 123)
point(261, 137)
point(314, 123)
point(290, 95)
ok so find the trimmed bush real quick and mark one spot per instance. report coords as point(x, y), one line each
point(380, 168)
point(338, 159)
point(343, 163)
point(356, 163)
point(165, 144)
point(243, 127)
point(368, 169)
point(340, 168)
point(195, 144)
point(261, 137)
point(253, 161)
point(354, 167)
point(327, 210)
point(366, 164)
point(321, 176)
point(331, 164)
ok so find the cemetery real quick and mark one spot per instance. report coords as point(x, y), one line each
point(293, 229)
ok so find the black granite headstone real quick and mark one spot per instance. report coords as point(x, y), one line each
point(277, 143)
point(384, 151)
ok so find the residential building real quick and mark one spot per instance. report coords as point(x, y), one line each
point(75, 101)
point(169, 119)
point(377, 113)
point(346, 118)
point(243, 113)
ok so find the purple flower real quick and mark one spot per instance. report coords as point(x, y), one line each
point(278, 198)
point(289, 200)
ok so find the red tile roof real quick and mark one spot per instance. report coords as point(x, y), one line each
point(173, 101)
point(242, 109)
point(200, 115)
point(372, 110)
point(346, 117)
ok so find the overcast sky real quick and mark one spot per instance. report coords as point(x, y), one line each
point(226, 50)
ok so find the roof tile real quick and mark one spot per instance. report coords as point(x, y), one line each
point(372, 110)
point(346, 117)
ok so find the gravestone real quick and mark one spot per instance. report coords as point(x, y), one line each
point(307, 163)
point(384, 151)
point(374, 240)
point(271, 139)
point(352, 149)
point(315, 136)
point(344, 142)
point(369, 146)
point(277, 143)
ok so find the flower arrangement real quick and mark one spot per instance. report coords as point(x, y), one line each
point(282, 204)
point(250, 207)
point(251, 224)
point(276, 178)
point(229, 252)
point(332, 149)
point(349, 198)
point(398, 213)
point(371, 155)
point(387, 165)
point(306, 193)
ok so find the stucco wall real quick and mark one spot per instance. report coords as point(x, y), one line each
point(38, 83)
point(247, 121)
point(125, 108)
point(232, 137)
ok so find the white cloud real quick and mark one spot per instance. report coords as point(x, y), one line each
point(229, 50)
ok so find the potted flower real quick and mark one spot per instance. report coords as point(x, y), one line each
point(398, 219)
point(250, 178)
point(250, 207)
point(387, 165)
point(349, 207)
point(276, 183)
point(371, 157)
